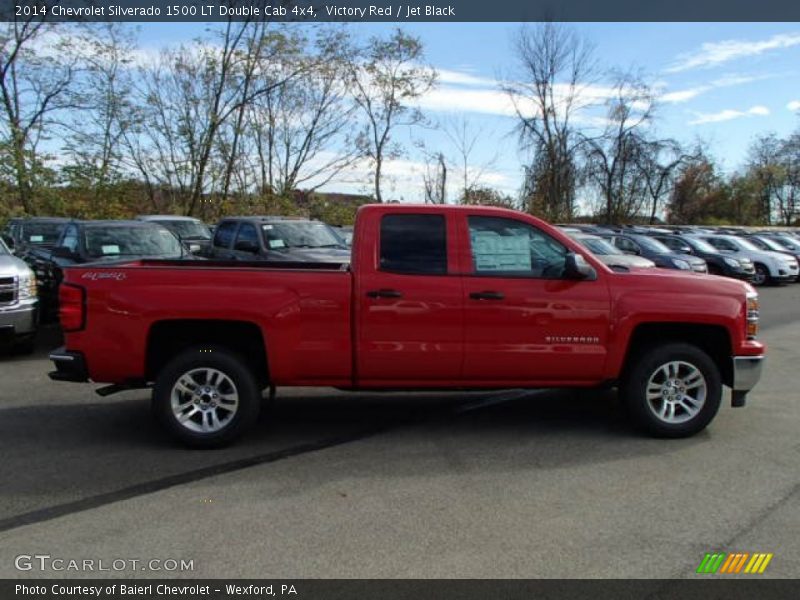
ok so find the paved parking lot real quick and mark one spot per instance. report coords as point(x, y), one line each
point(506, 484)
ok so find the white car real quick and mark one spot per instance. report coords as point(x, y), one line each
point(18, 301)
point(608, 253)
point(771, 267)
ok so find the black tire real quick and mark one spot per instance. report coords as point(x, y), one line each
point(240, 382)
point(762, 276)
point(653, 363)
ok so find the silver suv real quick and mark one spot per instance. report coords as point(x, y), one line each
point(18, 302)
point(771, 267)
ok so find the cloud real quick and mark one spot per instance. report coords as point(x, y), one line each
point(712, 54)
point(794, 105)
point(729, 114)
point(687, 94)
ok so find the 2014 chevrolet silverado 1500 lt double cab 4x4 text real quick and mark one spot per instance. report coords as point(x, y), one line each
point(434, 297)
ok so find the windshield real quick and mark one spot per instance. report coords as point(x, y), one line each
point(747, 245)
point(653, 245)
point(186, 229)
point(300, 234)
point(3, 248)
point(131, 241)
point(700, 245)
point(771, 244)
point(41, 232)
point(599, 247)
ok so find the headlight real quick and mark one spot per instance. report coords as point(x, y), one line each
point(732, 262)
point(752, 316)
point(681, 264)
point(27, 286)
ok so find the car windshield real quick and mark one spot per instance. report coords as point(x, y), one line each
point(599, 247)
point(131, 241)
point(3, 248)
point(41, 232)
point(652, 245)
point(186, 229)
point(701, 245)
point(772, 244)
point(747, 245)
point(300, 234)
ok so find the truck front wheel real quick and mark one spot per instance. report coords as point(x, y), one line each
point(206, 397)
point(673, 390)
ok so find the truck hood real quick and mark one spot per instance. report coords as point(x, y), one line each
point(673, 281)
point(11, 266)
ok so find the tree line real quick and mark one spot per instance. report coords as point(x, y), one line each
point(93, 125)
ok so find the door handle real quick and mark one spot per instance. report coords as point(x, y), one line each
point(487, 295)
point(384, 294)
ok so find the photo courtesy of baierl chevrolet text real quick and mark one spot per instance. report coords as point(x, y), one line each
point(449, 300)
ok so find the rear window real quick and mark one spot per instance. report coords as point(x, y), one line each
point(414, 244)
point(224, 234)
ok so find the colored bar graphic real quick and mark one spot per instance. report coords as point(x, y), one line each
point(722, 562)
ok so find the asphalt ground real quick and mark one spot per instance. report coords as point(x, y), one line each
point(336, 485)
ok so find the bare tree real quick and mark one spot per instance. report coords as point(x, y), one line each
point(658, 161)
point(34, 86)
point(556, 70)
point(434, 178)
point(389, 77)
point(464, 138)
point(614, 157)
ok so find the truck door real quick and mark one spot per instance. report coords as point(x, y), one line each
point(408, 297)
point(525, 322)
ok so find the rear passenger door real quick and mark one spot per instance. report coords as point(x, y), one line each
point(409, 302)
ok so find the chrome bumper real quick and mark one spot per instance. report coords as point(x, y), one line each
point(20, 318)
point(746, 373)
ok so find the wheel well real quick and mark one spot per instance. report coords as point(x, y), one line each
point(712, 339)
point(168, 338)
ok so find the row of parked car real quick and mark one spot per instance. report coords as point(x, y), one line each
point(44, 246)
point(760, 256)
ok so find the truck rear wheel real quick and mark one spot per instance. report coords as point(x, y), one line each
point(673, 390)
point(206, 397)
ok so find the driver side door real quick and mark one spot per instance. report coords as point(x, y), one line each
point(525, 323)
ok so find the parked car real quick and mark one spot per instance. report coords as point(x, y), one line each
point(610, 254)
point(449, 297)
point(84, 242)
point(278, 239)
point(639, 244)
point(194, 234)
point(18, 302)
point(770, 267)
point(718, 263)
point(24, 233)
point(771, 244)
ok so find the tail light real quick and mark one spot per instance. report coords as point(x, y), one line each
point(72, 307)
point(752, 316)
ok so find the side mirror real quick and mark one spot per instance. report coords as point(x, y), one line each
point(246, 246)
point(576, 267)
point(63, 252)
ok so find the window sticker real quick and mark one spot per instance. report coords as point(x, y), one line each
point(277, 244)
point(494, 252)
point(37, 238)
point(110, 249)
point(266, 227)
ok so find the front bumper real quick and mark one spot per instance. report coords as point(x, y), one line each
point(19, 319)
point(70, 366)
point(746, 374)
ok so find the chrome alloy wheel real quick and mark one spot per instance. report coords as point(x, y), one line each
point(204, 400)
point(676, 392)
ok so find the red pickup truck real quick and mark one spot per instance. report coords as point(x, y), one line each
point(434, 297)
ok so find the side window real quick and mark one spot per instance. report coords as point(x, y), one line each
point(414, 244)
point(721, 244)
point(247, 233)
point(626, 245)
point(71, 238)
point(507, 247)
point(224, 234)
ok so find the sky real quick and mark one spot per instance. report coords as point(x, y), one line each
point(721, 83)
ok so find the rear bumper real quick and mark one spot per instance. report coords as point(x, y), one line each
point(70, 366)
point(746, 374)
